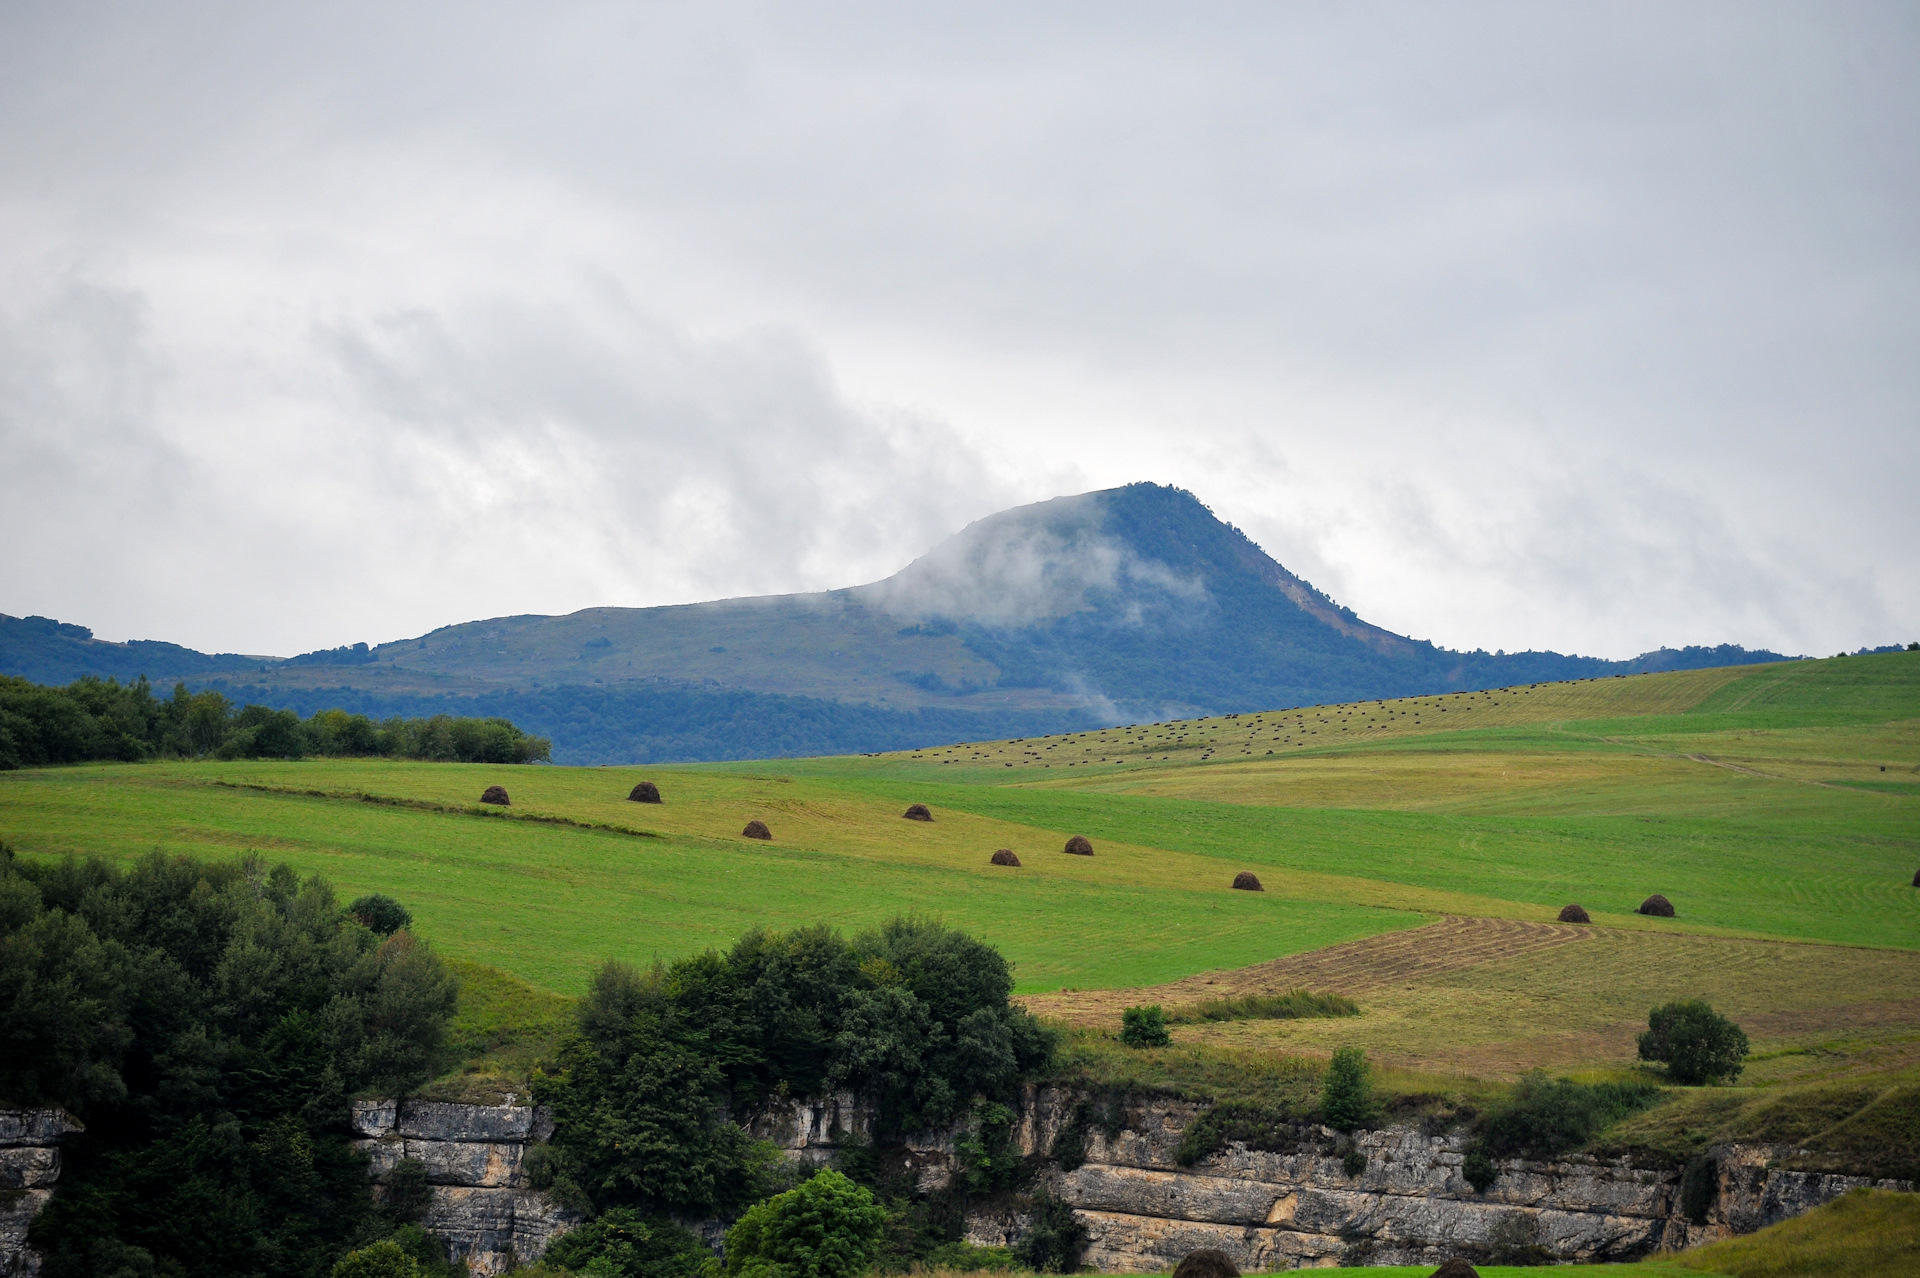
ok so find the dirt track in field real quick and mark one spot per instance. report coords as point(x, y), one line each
point(1353, 969)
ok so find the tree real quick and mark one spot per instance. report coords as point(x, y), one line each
point(827, 1227)
point(382, 1260)
point(1346, 1099)
point(381, 914)
point(1694, 1042)
point(1144, 1027)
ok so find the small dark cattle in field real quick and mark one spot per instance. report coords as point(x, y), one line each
point(1206, 1263)
point(1247, 881)
point(917, 812)
point(1573, 914)
point(495, 794)
point(1078, 846)
point(1657, 906)
point(756, 830)
point(1005, 856)
point(645, 792)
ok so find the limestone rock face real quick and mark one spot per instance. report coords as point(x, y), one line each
point(29, 1168)
point(475, 1162)
point(1409, 1205)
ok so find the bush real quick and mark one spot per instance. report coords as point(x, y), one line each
point(1255, 1126)
point(1144, 1027)
point(1346, 1099)
point(620, 1244)
point(1545, 1117)
point(1695, 1043)
point(382, 1260)
point(828, 1227)
point(1479, 1170)
point(1055, 1238)
point(381, 914)
point(985, 1150)
point(1293, 1005)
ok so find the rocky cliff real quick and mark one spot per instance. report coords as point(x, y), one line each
point(1392, 1196)
point(29, 1166)
point(474, 1159)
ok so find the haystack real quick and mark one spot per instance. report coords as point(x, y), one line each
point(1247, 881)
point(756, 830)
point(1573, 914)
point(1078, 846)
point(1658, 906)
point(1206, 1263)
point(1916, 878)
point(1005, 856)
point(917, 812)
point(1456, 1268)
point(495, 794)
point(645, 792)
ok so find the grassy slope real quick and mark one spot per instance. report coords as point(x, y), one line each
point(1505, 803)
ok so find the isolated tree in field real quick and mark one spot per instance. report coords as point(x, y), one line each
point(1694, 1042)
point(1346, 1099)
point(381, 913)
point(1144, 1027)
point(828, 1227)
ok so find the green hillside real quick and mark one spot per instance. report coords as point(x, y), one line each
point(1754, 799)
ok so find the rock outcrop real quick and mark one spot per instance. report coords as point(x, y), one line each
point(29, 1166)
point(1410, 1203)
point(475, 1162)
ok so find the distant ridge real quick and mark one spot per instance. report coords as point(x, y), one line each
point(1124, 605)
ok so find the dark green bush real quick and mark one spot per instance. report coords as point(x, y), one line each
point(383, 1259)
point(1144, 1027)
point(1695, 1043)
point(1545, 1117)
point(1346, 1099)
point(381, 914)
point(1479, 1170)
point(827, 1227)
point(621, 1244)
point(1055, 1238)
point(1255, 1126)
point(985, 1150)
point(1293, 1005)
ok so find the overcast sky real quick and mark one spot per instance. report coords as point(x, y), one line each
point(1590, 327)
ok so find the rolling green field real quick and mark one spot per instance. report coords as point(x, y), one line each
point(1775, 801)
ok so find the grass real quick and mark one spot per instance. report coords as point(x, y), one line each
point(1753, 797)
point(1866, 1234)
point(1290, 1006)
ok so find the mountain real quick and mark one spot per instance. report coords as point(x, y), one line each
point(1129, 604)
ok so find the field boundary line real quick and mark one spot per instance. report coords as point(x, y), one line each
point(428, 805)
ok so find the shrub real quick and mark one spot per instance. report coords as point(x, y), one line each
point(1255, 1126)
point(1479, 1170)
point(1144, 1027)
point(1353, 1162)
point(1544, 1117)
point(1346, 1098)
point(828, 1227)
point(381, 914)
point(1292, 1005)
point(964, 1257)
point(621, 1244)
point(384, 1259)
point(1695, 1043)
point(985, 1150)
point(1055, 1238)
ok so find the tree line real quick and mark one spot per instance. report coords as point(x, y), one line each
point(96, 719)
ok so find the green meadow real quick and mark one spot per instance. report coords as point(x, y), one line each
point(1775, 801)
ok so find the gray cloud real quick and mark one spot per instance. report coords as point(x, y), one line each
point(1586, 325)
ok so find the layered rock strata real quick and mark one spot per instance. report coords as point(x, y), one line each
point(1407, 1201)
point(29, 1166)
point(475, 1161)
